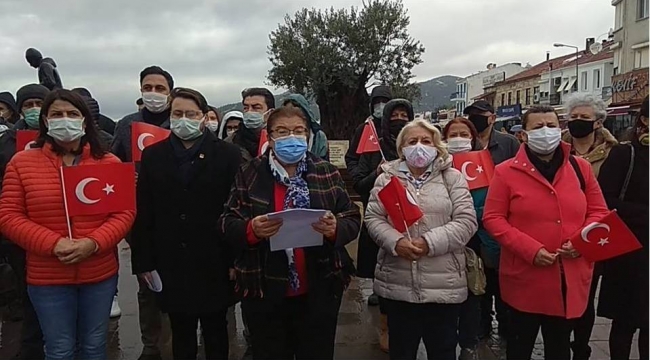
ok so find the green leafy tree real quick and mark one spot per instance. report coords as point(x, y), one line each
point(335, 55)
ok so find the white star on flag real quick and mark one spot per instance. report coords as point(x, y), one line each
point(479, 169)
point(604, 241)
point(108, 189)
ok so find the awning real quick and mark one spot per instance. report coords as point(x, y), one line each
point(506, 118)
point(570, 85)
point(562, 86)
point(618, 110)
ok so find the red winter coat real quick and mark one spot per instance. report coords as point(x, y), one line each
point(525, 213)
point(33, 216)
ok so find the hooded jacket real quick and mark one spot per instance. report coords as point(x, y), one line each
point(448, 223)
point(317, 139)
point(48, 75)
point(8, 99)
point(604, 141)
point(351, 156)
point(222, 133)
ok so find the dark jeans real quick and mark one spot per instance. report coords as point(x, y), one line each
point(74, 318)
point(294, 327)
point(150, 318)
point(492, 299)
point(435, 324)
point(214, 329)
point(620, 341)
point(469, 323)
point(556, 332)
point(583, 326)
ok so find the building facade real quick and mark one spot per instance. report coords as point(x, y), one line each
point(470, 87)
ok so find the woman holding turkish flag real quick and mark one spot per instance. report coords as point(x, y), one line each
point(420, 272)
point(536, 202)
point(71, 281)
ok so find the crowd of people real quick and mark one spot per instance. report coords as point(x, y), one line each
point(202, 227)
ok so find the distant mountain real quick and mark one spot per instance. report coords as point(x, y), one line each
point(435, 93)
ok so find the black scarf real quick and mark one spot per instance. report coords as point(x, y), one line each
point(548, 169)
point(155, 119)
point(249, 139)
point(185, 157)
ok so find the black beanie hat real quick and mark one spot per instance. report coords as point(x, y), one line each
point(31, 91)
point(7, 98)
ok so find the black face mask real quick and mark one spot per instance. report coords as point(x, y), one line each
point(396, 126)
point(580, 128)
point(480, 122)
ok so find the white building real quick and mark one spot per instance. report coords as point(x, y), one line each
point(472, 86)
point(594, 77)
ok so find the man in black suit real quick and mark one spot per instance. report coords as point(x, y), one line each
point(182, 186)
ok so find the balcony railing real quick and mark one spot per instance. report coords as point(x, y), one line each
point(457, 96)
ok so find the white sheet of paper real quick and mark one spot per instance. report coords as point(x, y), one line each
point(157, 285)
point(296, 230)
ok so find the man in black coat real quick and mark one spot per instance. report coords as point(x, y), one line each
point(183, 183)
point(48, 75)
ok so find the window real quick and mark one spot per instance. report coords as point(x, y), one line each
point(509, 98)
point(642, 9)
point(618, 16)
point(597, 79)
point(518, 97)
point(528, 96)
point(641, 58)
point(573, 84)
point(583, 81)
point(503, 99)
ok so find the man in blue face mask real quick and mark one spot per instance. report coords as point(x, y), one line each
point(30, 99)
point(258, 103)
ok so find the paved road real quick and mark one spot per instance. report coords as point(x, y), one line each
point(356, 336)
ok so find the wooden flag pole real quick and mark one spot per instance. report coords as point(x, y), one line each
point(65, 205)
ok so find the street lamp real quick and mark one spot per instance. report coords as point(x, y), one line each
point(574, 47)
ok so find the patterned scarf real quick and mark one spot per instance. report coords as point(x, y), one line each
point(297, 197)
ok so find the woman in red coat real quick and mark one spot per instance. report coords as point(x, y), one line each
point(535, 204)
point(71, 282)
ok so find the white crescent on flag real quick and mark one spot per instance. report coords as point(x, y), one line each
point(141, 140)
point(79, 191)
point(29, 145)
point(594, 225)
point(463, 169)
point(264, 147)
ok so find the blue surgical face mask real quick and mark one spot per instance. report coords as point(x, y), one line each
point(290, 149)
point(253, 120)
point(31, 117)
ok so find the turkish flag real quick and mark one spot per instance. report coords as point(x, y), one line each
point(99, 189)
point(25, 139)
point(604, 239)
point(400, 206)
point(369, 141)
point(264, 142)
point(476, 166)
point(143, 135)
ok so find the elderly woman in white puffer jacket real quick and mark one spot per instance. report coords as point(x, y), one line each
point(421, 274)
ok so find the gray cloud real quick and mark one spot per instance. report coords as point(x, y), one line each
point(219, 47)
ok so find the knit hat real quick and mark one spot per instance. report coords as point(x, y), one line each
point(31, 91)
point(7, 98)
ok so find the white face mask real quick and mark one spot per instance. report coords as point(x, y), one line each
point(186, 129)
point(212, 125)
point(154, 102)
point(419, 156)
point(65, 129)
point(459, 145)
point(545, 140)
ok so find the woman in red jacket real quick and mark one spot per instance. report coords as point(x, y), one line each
point(71, 282)
point(535, 204)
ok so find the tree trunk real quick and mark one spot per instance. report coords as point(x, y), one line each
point(342, 110)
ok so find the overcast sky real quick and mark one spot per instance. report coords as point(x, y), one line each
point(219, 46)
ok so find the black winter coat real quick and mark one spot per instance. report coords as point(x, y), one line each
point(176, 231)
point(624, 287)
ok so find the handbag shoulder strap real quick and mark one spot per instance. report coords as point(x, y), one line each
point(628, 176)
point(576, 167)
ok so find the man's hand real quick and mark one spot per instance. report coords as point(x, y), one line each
point(407, 250)
point(421, 244)
point(544, 258)
point(568, 251)
point(82, 249)
point(326, 225)
point(264, 228)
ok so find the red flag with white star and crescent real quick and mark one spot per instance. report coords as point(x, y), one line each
point(99, 189)
point(476, 166)
point(368, 141)
point(604, 239)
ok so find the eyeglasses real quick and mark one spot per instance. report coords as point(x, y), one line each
point(190, 114)
point(282, 132)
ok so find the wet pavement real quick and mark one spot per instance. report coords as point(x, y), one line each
point(357, 335)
